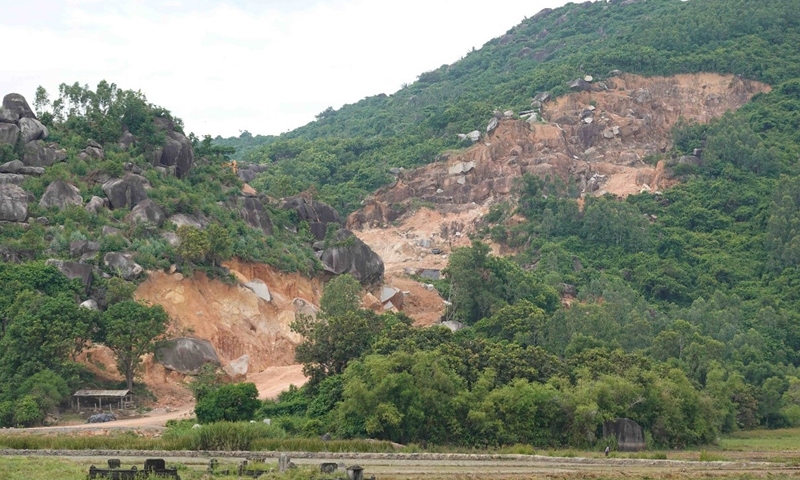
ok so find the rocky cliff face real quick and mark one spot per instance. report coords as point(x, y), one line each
point(597, 137)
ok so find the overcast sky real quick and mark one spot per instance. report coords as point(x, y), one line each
point(225, 66)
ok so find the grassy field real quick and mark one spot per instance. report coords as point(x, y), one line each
point(781, 447)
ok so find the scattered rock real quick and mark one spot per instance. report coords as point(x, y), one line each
point(351, 255)
point(255, 215)
point(101, 418)
point(95, 151)
point(90, 305)
point(82, 247)
point(147, 211)
point(13, 203)
point(62, 195)
point(186, 355)
point(107, 230)
point(493, 123)
point(36, 154)
point(304, 307)
point(393, 296)
point(453, 325)
point(180, 220)
point(126, 140)
point(579, 85)
point(588, 79)
point(73, 270)
point(249, 172)
point(238, 367)
point(541, 98)
point(125, 192)
point(122, 265)
point(95, 204)
point(260, 289)
point(248, 191)
point(172, 239)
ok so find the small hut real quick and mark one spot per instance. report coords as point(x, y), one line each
point(96, 399)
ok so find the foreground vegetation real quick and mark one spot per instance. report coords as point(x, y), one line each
point(750, 448)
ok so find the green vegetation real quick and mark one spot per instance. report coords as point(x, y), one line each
point(347, 153)
point(44, 330)
point(684, 304)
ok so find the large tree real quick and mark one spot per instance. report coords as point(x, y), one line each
point(130, 331)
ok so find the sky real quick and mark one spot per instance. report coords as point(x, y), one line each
point(263, 66)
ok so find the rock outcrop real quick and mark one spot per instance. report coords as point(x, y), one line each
point(17, 104)
point(317, 214)
point(11, 178)
point(8, 116)
point(122, 264)
point(186, 355)
point(17, 167)
point(73, 270)
point(177, 151)
point(351, 255)
point(37, 154)
point(61, 194)
point(8, 133)
point(249, 171)
point(13, 203)
point(31, 129)
point(254, 213)
point(125, 192)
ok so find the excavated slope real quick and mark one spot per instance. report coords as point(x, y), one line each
point(597, 138)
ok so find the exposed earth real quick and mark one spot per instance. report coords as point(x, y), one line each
point(610, 138)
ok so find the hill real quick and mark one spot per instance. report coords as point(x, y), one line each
point(636, 162)
point(670, 244)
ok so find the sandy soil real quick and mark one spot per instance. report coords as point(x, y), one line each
point(274, 380)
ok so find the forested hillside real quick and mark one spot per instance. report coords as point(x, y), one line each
point(679, 308)
point(347, 153)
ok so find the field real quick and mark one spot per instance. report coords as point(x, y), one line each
point(773, 454)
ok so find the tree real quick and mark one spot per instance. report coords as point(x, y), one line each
point(331, 342)
point(220, 244)
point(235, 402)
point(130, 330)
point(195, 244)
point(341, 296)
